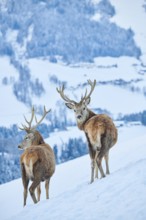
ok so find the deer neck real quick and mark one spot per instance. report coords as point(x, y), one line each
point(38, 139)
point(82, 123)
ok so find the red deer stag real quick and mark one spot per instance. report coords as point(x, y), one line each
point(37, 161)
point(99, 129)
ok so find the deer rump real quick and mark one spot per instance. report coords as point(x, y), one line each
point(101, 132)
point(38, 160)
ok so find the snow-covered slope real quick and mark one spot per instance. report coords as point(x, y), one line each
point(121, 89)
point(103, 70)
point(121, 195)
point(11, 109)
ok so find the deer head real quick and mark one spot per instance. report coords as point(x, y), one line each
point(80, 108)
point(32, 136)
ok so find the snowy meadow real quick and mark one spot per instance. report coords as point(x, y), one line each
point(121, 195)
point(44, 44)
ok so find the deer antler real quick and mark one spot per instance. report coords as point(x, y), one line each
point(44, 115)
point(30, 128)
point(92, 84)
point(24, 127)
point(63, 96)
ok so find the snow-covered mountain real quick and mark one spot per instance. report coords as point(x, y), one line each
point(44, 44)
point(121, 195)
point(64, 28)
point(103, 41)
point(28, 80)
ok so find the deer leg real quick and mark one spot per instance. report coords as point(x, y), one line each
point(47, 183)
point(38, 192)
point(92, 170)
point(96, 167)
point(96, 171)
point(25, 181)
point(104, 152)
point(32, 189)
point(25, 191)
point(93, 164)
point(99, 163)
point(100, 167)
point(92, 153)
point(36, 181)
point(106, 157)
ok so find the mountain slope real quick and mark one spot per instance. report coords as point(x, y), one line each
point(82, 38)
point(30, 28)
point(116, 79)
point(121, 195)
point(107, 199)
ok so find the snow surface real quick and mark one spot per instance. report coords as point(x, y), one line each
point(11, 111)
point(121, 195)
point(102, 95)
point(74, 76)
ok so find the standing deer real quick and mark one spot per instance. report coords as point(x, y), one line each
point(99, 129)
point(37, 161)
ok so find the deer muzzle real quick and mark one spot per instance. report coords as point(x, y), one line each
point(20, 147)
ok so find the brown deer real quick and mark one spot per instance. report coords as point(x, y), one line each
point(37, 161)
point(99, 129)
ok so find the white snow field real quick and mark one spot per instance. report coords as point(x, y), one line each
point(115, 99)
point(121, 195)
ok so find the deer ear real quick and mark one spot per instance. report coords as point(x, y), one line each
point(69, 105)
point(87, 101)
